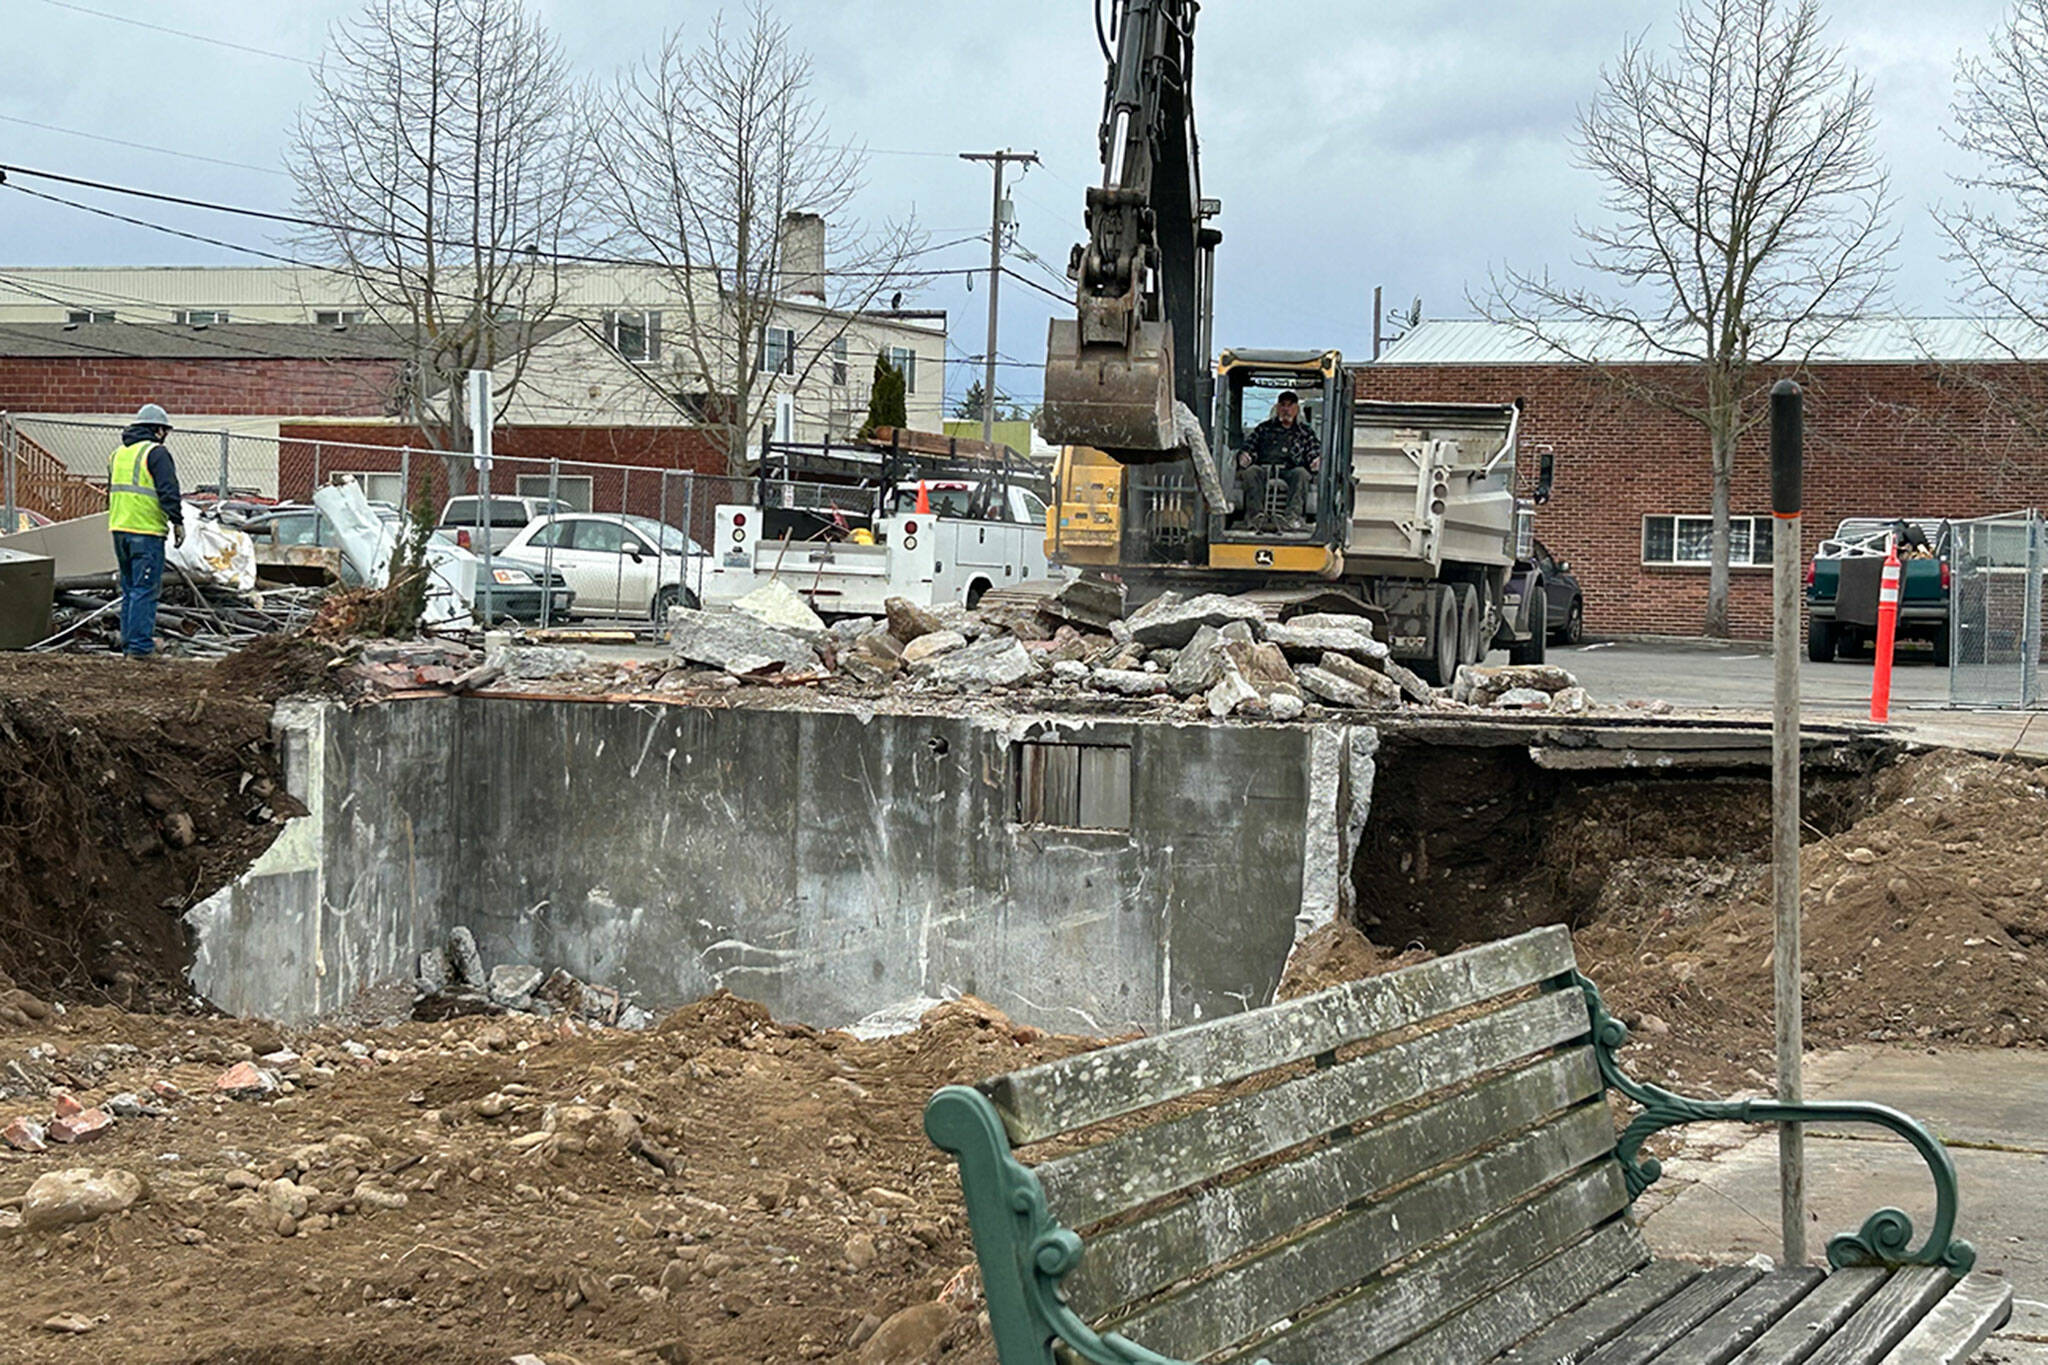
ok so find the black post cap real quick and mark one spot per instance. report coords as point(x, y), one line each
point(1788, 448)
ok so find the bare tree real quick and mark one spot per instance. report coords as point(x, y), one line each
point(1999, 118)
point(442, 148)
point(1744, 226)
point(703, 155)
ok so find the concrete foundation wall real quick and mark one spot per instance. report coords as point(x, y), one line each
point(823, 862)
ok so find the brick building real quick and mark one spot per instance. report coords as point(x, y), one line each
point(1903, 417)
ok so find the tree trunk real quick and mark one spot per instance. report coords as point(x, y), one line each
point(1723, 436)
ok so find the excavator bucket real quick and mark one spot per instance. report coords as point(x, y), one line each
point(1118, 400)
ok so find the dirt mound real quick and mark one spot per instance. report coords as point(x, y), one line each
point(1924, 921)
point(1337, 953)
point(129, 791)
point(722, 1188)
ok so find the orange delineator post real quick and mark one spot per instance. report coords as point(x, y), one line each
point(1887, 635)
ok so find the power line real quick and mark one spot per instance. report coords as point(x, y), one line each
point(1027, 281)
point(182, 33)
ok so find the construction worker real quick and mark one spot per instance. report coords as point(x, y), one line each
point(1281, 447)
point(142, 507)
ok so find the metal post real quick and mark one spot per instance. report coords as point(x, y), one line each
point(405, 497)
point(8, 457)
point(547, 571)
point(996, 160)
point(480, 440)
point(2030, 632)
point(224, 438)
point(690, 534)
point(1787, 476)
point(625, 506)
point(661, 552)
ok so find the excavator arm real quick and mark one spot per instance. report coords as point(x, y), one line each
point(1139, 341)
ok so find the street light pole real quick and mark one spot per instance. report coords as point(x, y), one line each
point(997, 161)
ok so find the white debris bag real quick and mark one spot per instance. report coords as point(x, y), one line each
point(370, 542)
point(213, 553)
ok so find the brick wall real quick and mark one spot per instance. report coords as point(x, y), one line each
point(1880, 440)
point(226, 387)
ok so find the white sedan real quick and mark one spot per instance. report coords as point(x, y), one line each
point(618, 565)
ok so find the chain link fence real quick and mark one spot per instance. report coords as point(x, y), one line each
point(628, 540)
point(1996, 574)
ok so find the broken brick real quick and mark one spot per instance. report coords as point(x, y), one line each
point(25, 1135)
point(164, 1090)
point(246, 1079)
point(68, 1107)
point(83, 1126)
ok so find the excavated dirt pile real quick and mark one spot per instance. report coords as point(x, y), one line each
point(719, 1189)
point(128, 791)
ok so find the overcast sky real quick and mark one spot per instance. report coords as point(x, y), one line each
point(1411, 145)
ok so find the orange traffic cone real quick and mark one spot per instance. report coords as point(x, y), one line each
point(924, 499)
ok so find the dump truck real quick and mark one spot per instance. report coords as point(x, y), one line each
point(1416, 515)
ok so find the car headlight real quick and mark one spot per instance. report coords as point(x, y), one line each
point(512, 577)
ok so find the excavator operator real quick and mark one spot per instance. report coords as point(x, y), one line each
point(1281, 447)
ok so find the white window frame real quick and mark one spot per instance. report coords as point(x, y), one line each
point(1742, 542)
point(647, 321)
point(77, 317)
point(780, 342)
point(574, 491)
point(840, 357)
point(389, 480)
point(201, 317)
point(904, 358)
point(337, 317)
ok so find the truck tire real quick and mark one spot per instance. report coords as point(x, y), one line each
point(1471, 649)
point(1440, 664)
point(1822, 639)
point(1533, 649)
point(1940, 640)
point(1574, 628)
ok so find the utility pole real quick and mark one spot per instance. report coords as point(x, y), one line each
point(997, 161)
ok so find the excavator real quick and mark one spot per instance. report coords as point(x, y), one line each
point(1413, 515)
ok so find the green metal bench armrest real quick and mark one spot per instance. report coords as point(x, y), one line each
point(1024, 1252)
point(1885, 1238)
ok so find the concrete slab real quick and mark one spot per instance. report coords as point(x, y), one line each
point(1990, 1105)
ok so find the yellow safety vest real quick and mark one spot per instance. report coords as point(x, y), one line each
point(131, 493)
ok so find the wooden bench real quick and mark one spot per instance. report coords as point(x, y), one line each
point(1419, 1167)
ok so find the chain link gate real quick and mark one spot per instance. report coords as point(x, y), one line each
point(1996, 571)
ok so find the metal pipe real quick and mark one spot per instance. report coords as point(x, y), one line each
point(7, 462)
point(223, 466)
point(1787, 476)
point(547, 571)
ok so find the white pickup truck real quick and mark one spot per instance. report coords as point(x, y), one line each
point(934, 557)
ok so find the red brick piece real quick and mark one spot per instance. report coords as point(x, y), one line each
point(83, 1126)
point(245, 1079)
point(68, 1107)
point(24, 1134)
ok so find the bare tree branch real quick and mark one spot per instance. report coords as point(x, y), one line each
point(1745, 225)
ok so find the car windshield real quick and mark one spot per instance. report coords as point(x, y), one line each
point(671, 541)
point(504, 512)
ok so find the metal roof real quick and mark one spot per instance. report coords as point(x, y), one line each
point(224, 341)
point(1874, 341)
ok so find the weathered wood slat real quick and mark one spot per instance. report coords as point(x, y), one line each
point(1964, 1320)
point(1724, 1336)
point(1676, 1316)
point(1577, 1272)
point(1090, 1087)
point(1211, 1314)
point(1218, 1225)
point(1885, 1317)
point(1147, 1163)
point(1579, 1333)
point(1387, 1312)
point(1806, 1325)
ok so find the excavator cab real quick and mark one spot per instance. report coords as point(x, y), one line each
point(1248, 388)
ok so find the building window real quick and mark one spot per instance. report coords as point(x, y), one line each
point(337, 317)
point(777, 354)
point(634, 335)
point(1073, 786)
point(385, 488)
point(87, 315)
point(201, 317)
point(905, 359)
point(1679, 540)
point(839, 363)
point(573, 491)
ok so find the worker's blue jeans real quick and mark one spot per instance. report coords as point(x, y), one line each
point(140, 560)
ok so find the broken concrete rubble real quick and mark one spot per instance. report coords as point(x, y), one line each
point(907, 620)
point(736, 643)
point(1481, 686)
point(776, 604)
point(998, 661)
point(1307, 644)
point(1170, 621)
point(932, 645)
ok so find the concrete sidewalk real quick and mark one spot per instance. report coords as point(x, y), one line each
point(1719, 1196)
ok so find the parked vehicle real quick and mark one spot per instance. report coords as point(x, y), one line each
point(25, 520)
point(1565, 600)
point(505, 517)
point(296, 542)
point(980, 534)
point(618, 565)
point(1843, 581)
